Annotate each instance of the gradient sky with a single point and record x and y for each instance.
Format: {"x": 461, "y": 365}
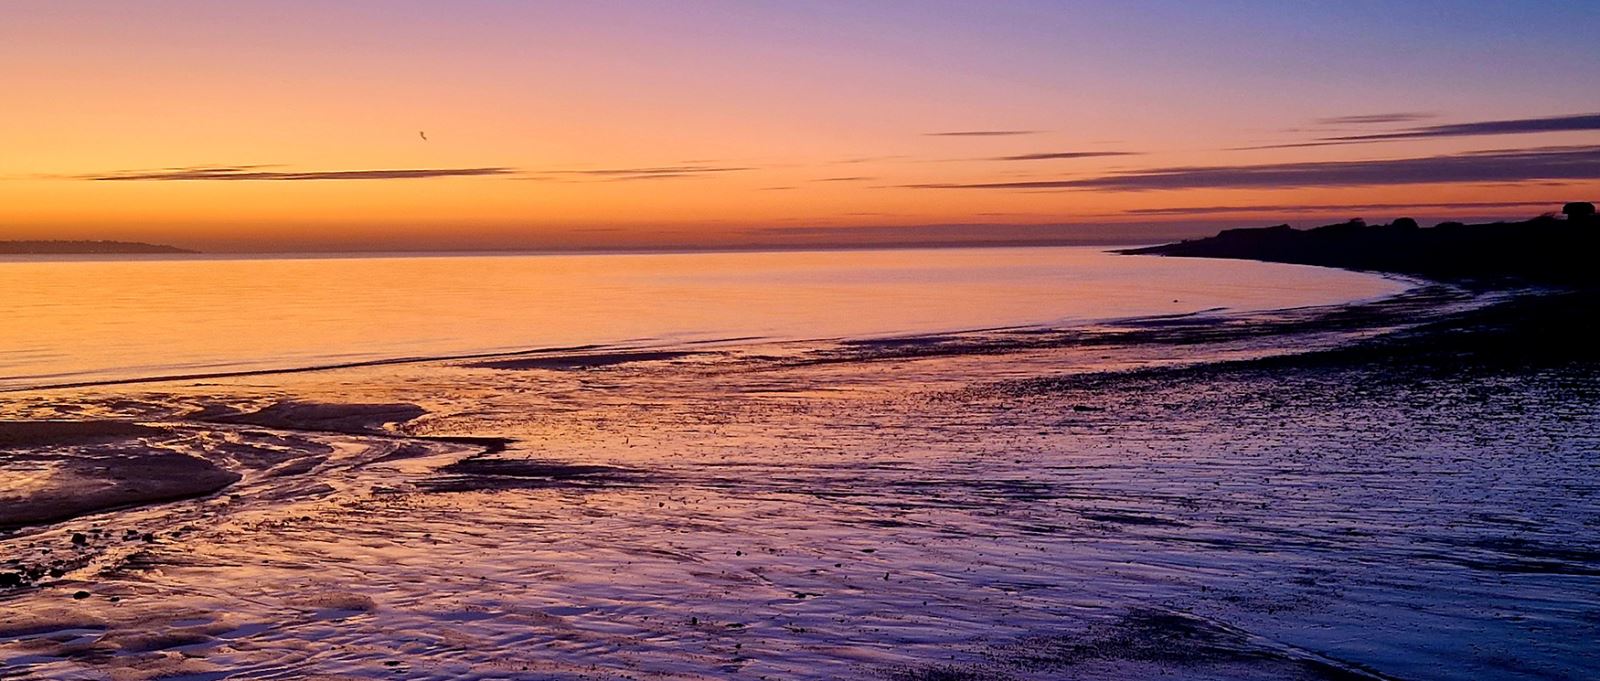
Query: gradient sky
{"x": 281, "y": 124}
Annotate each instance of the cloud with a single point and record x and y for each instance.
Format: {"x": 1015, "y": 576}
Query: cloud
{"x": 868, "y": 159}
{"x": 1313, "y": 208}
{"x": 272, "y": 173}
{"x": 1513, "y": 126}
{"x": 1378, "y": 119}
{"x": 1051, "y": 155}
{"x": 641, "y": 173}
{"x": 853, "y": 178}
{"x": 238, "y": 173}
{"x": 983, "y": 133}
{"x": 1508, "y": 165}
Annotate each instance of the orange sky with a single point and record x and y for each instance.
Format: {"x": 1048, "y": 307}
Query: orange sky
{"x": 259, "y": 125}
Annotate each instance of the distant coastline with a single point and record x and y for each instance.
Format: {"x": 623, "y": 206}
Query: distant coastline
{"x": 1547, "y": 250}
{"x": 85, "y": 248}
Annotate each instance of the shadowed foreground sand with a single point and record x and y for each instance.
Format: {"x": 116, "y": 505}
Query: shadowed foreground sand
{"x": 62, "y": 469}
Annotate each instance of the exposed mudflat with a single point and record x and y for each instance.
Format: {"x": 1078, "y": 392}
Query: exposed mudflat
{"x": 1347, "y": 493}
{"x": 581, "y": 361}
{"x": 56, "y": 470}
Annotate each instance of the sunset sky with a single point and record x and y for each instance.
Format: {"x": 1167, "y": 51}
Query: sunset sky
{"x": 294, "y": 125}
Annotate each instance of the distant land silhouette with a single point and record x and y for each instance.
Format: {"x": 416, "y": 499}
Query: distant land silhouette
{"x": 1548, "y": 249}
{"x": 83, "y": 247}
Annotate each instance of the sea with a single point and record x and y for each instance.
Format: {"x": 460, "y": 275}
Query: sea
{"x": 893, "y": 465}
{"x": 80, "y": 320}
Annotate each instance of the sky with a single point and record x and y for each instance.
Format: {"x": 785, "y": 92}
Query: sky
{"x": 289, "y": 125}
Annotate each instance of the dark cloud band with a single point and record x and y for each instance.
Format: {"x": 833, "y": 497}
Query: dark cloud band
{"x": 1580, "y": 122}
{"x": 1515, "y": 126}
{"x": 1514, "y": 165}
{"x": 1293, "y": 208}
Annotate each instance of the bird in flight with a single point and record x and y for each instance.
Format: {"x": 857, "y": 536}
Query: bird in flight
{"x": 423, "y": 135}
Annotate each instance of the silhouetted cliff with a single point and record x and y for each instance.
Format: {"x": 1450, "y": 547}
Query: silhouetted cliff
{"x": 1545, "y": 250}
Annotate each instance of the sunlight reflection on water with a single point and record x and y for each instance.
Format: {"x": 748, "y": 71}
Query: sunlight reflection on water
{"x": 69, "y": 321}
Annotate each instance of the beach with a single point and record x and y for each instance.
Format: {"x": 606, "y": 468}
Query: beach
{"x": 1394, "y": 488}
{"x": 884, "y": 341}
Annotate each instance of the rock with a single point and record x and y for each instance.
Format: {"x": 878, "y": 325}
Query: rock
{"x": 80, "y": 539}
{"x": 80, "y": 595}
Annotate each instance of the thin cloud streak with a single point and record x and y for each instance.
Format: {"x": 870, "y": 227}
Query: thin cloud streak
{"x": 1378, "y": 119}
{"x": 643, "y": 173}
{"x": 1511, "y": 165}
{"x": 983, "y": 133}
{"x": 1053, "y": 155}
{"x": 253, "y": 173}
{"x": 869, "y": 159}
{"x": 1290, "y": 145}
{"x": 261, "y": 173}
{"x": 1579, "y": 122}
{"x": 1514, "y": 126}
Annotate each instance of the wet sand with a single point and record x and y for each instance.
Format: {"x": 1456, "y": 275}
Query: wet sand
{"x": 583, "y": 361}
{"x": 1398, "y": 490}
{"x": 57, "y": 470}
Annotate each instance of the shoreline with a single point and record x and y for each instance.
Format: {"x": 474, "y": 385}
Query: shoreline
{"x": 1540, "y": 251}
{"x": 1243, "y": 483}
{"x": 1272, "y": 330}
{"x": 594, "y": 355}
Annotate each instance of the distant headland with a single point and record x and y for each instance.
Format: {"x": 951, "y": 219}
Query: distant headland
{"x": 84, "y": 248}
{"x": 1549, "y": 249}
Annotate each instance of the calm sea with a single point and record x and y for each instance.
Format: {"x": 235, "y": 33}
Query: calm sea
{"x": 65, "y": 321}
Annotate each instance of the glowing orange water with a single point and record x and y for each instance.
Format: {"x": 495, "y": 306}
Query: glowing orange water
{"x": 79, "y": 320}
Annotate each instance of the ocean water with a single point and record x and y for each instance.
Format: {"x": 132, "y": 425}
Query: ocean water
{"x": 69, "y": 321}
{"x": 1096, "y": 489}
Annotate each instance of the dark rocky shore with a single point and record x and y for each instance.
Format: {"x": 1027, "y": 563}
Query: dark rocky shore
{"x": 1547, "y": 261}
{"x": 1547, "y": 250}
